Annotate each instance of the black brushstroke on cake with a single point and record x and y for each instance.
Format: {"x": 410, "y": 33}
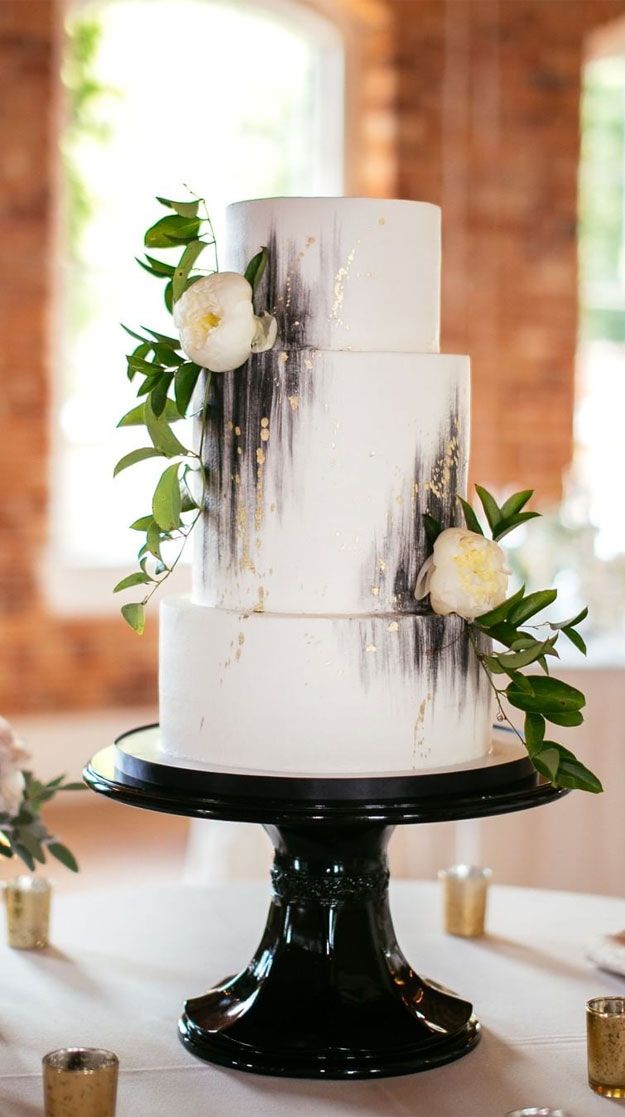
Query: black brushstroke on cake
{"x": 260, "y": 389}
{"x": 404, "y": 546}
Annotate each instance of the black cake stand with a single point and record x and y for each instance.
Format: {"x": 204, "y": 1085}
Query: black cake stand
{"x": 328, "y": 993}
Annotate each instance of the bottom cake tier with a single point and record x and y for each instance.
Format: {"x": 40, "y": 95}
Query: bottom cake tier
{"x": 319, "y": 695}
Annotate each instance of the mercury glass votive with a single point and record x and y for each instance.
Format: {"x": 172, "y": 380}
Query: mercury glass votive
{"x": 28, "y": 912}
{"x": 465, "y": 890}
{"x": 605, "y": 1033}
{"x": 80, "y": 1082}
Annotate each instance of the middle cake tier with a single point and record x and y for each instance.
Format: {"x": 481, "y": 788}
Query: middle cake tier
{"x": 320, "y": 467}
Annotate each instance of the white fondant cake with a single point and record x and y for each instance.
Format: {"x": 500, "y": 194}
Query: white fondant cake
{"x": 303, "y": 649}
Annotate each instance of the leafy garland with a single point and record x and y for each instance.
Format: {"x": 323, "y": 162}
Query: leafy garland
{"x": 541, "y": 698}
{"x": 168, "y": 394}
{"x": 25, "y": 835}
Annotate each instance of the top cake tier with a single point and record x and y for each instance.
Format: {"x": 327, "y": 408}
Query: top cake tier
{"x": 348, "y": 273}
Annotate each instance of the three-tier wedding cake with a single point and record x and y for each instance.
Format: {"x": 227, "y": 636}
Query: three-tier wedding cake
{"x": 302, "y": 649}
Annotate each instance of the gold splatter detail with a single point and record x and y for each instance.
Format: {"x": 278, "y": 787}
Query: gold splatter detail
{"x": 339, "y": 287}
{"x": 230, "y": 425}
{"x": 440, "y": 481}
{"x": 237, "y": 431}
{"x": 382, "y": 565}
{"x": 307, "y": 362}
{"x": 272, "y": 506}
{"x": 241, "y": 638}
{"x": 419, "y": 736}
{"x": 260, "y": 456}
{"x": 375, "y": 590}
{"x": 309, "y": 241}
{"x": 264, "y": 434}
{"x": 264, "y": 422}
{"x": 239, "y": 450}
{"x": 294, "y": 402}
{"x": 393, "y": 627}
{"x": 283, "y": 358}
{"x": 260, "y": 604}
{"x": 381, "y": 221}
{"x": 371, "y": 648}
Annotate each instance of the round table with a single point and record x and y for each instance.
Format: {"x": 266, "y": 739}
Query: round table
{"x": 122, "y": 964}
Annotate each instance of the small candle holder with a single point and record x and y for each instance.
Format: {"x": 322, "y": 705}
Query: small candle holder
{"x": 605, "y": 1031}
{"x": 465, "y": 891}
{"x": 80, "y": 1082}
{"x": 28, "y": 912}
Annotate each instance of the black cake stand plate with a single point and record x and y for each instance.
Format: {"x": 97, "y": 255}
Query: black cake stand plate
{"x": 329, "y": 993}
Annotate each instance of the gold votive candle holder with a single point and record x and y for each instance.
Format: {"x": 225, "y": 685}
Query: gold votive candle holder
{"x": 605, "y": 1033}
{"x": 28, "y": 912}
{"x": 465, "y": 891}
{"x": 80, "y": 1082}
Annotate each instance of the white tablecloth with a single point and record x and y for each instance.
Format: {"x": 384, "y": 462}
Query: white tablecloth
{"x": 122, "y": 965}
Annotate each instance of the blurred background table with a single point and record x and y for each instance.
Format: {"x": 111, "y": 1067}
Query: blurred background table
{"x": 124, "y": 961}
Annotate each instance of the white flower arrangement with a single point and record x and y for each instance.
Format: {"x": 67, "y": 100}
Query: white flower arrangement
{"x": 22, "y": 832}
{"x": 466, "y": 574}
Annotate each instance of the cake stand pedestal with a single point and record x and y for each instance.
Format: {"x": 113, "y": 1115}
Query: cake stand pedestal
{"x": 329, "y": 993}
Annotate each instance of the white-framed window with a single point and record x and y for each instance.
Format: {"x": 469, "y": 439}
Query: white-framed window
{"x": 233, "y": 99}
{"x": 599, "y": 465}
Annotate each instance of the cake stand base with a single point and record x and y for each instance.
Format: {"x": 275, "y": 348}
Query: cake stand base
{"x": 329, "y": 993}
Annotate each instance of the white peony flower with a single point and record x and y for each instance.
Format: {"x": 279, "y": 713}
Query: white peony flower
{"x": 12, "y": 756}
{"x": 466, "y": 574}
{"x": 217, "y": 325}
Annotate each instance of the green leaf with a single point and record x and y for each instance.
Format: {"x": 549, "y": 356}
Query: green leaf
{"x": 256, "y": 268}
{"x": 166, "y": 356}
{"x": 187, "y": 260}
{"x": 157, "y": 267}
{"x": 137, "y": 417}
{"x": 132, "y": 333}
{"x": 567, "y": 717}
{"x": 432, "y": 528}
{"x": 139, "y": 364}
{"x": 516, "y": 660}
{"x": 574, "y": 774}
{"x": 171, "y": 342}
{"x": 185, "y": 379}
{"x": 73, "y": 787}
{"x": 5, "y": 851}
{"x": 23, "y": 853}
{"x": 158, "y": 394}
{"x": 136, "y": 579}
{"x": 571, "y": 620}
{"x": 534, "y": 732}
{"x": 470, "y": 518}
{"x": 135, "y": 456}
{"x": 63, "y": 854}
{"x": 142, "y": 524}
{"x": 172, "y": 231}
{"x": 185, "y": 209}
{"x": 163, "y": 438}
{"x": 500, "y": 612}
{"x": 550, "y": 696}
{"x": 521, "y": 681}
{"x": 166, "y": 502}
{"x": 168, "y": 295}
{"x": 531, "y": 605}
{"x": 490, "y": 506}
{"x": 547, "y": 761}
{"x": 506, "y": 527}
{"x": 576, "y": 639}
{"x": 515, "y": 503}
{"x": 154, "y": 537}
{"x": 134, "y": 615}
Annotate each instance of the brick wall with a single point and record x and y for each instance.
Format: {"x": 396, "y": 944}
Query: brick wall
{"x": 470, "y": 103}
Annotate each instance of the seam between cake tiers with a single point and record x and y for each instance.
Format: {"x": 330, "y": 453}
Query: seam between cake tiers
{"x": 308, "y": 616}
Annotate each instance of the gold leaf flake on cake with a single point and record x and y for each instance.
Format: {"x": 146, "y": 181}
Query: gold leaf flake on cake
{"x": 381, "y": 221}
{"x": 260, "y": 604}
{"x": 230, "y": 425}
{"x": 382, "y": 565}
{"x": 264, "y": 434}
{"x": 375, "y": 590}
{"x": 283, "y": 358}
{"x": 309, "y": 241}
{"x": 294, "y": 402}
{"x": 339, "y": 287}
{"x": 393, "y": 627}
{"x": 419, "y": 728}
{"x": 237, "y": 431}
{"x": 443, "y": 470}
{"x": 260, "y": 456}
{"x": 307, "y": 362}
{"x": 371, "y": 648}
